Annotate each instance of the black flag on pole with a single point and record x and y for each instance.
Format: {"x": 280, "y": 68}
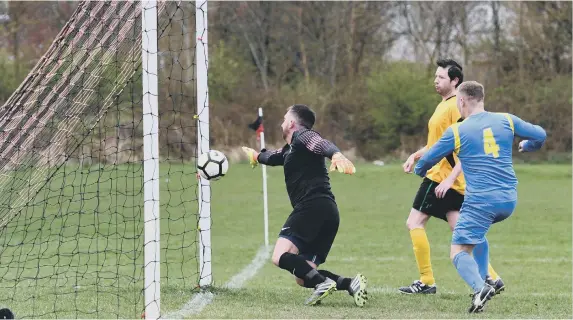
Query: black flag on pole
{"x": 257, "y": 126}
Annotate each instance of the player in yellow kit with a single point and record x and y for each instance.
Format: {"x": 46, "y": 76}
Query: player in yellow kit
{"x": 441, "y": 193}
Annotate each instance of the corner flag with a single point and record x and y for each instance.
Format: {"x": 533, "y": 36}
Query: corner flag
{"x": 258, "y": 126}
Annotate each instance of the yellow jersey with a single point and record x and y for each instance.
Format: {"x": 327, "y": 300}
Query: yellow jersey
{"x": 445, "y": 115}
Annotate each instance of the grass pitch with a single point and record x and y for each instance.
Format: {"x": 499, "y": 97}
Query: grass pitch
{"x": 76, "y": 251}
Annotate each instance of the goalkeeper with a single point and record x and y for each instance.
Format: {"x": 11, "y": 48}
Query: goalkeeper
{"x": 308, "y": 233}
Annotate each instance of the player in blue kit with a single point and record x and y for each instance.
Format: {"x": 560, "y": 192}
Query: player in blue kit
{"x": 483, "y": 143}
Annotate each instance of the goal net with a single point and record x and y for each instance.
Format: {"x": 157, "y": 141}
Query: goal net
{"x": 101, "y": 212}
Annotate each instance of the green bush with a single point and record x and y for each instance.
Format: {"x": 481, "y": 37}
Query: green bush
{"x": 402, "y": 99}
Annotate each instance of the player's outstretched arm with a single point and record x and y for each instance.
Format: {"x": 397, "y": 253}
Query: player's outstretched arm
{"x": 342, "y": 164}
{"x": 316, "y": 144}
{"x": 266, "y": 157}
{"x": 252, "y": 155}
{"x": 533, "y": 134}
{"x": 272, "y": 157}
{"x": 418, "y": 154}
{"x": 437, "y": 152}
{"x": 409, "y": 164}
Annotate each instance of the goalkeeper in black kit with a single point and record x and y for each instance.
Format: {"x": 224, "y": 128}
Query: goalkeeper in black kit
{"x": 307, "y": 236}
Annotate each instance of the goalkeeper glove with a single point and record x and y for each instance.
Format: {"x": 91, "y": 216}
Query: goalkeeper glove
{"x": 252, "y": 155}
{"x": 340, "y": 163}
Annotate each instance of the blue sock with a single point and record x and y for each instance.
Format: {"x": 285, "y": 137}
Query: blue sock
{"x": 481, "y": 256}
{"x": 468, "y": 270}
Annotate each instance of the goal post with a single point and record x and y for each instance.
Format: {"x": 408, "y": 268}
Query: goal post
{"x": 149, "y": 62}
{"x": 204, "y": 192}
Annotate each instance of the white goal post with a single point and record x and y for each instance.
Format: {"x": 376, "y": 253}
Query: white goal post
{"x": 150, "y": 71}
{"x": 152, "y": 248}
{"x": 204, "y": 192}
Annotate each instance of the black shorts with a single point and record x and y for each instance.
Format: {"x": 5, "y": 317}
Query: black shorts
{"x": 312, "y": 227}
{"x": 427, "y": 202}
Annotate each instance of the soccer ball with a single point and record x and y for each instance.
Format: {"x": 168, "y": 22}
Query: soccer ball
{"x": 212, "y": 165}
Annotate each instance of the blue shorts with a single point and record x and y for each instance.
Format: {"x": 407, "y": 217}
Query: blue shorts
{"x": 476, "y": 218}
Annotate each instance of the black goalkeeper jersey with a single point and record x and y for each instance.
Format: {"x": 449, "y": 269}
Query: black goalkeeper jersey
{"x": 306, "y": 175}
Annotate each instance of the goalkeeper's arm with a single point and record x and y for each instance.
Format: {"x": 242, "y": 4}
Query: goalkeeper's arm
{"x": 267, "y": 157}
{"x": 316, "y": 144}
{"x": 271, "y": 157}
{"x": 313, "y": 142}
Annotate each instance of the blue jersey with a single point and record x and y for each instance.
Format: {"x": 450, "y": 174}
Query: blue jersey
{"x": 483, "y": 143}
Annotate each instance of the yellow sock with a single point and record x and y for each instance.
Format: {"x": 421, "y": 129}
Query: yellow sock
{"x": 492, "y": 272}
{"x": 422, "y": 253}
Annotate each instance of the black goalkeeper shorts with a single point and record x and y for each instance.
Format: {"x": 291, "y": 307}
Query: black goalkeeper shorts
{"x": 427, "y": 202}
{"x": 312, "y": 227}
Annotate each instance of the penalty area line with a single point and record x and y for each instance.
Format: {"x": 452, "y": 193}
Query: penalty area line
{"x": 202, "y": 299}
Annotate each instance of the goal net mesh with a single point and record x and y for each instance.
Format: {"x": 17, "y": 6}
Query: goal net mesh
{"x": 71, "y": 172}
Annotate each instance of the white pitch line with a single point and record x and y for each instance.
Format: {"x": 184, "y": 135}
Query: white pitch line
{"x": 203, "y": 299}
{"x": 238, "y": 280}
{"x": 195, "y": 305}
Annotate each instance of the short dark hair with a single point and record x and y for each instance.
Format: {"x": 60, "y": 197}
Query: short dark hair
{"x": 304, "y": 115}
{"x": 454, "y": 69}
{"x": 473, "y": 90}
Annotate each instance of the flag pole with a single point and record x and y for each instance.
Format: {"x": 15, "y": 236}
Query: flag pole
{"x": 265, "y": 198}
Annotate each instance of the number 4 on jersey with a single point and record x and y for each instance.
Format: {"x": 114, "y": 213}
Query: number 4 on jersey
{"x": 489, "y": 144}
